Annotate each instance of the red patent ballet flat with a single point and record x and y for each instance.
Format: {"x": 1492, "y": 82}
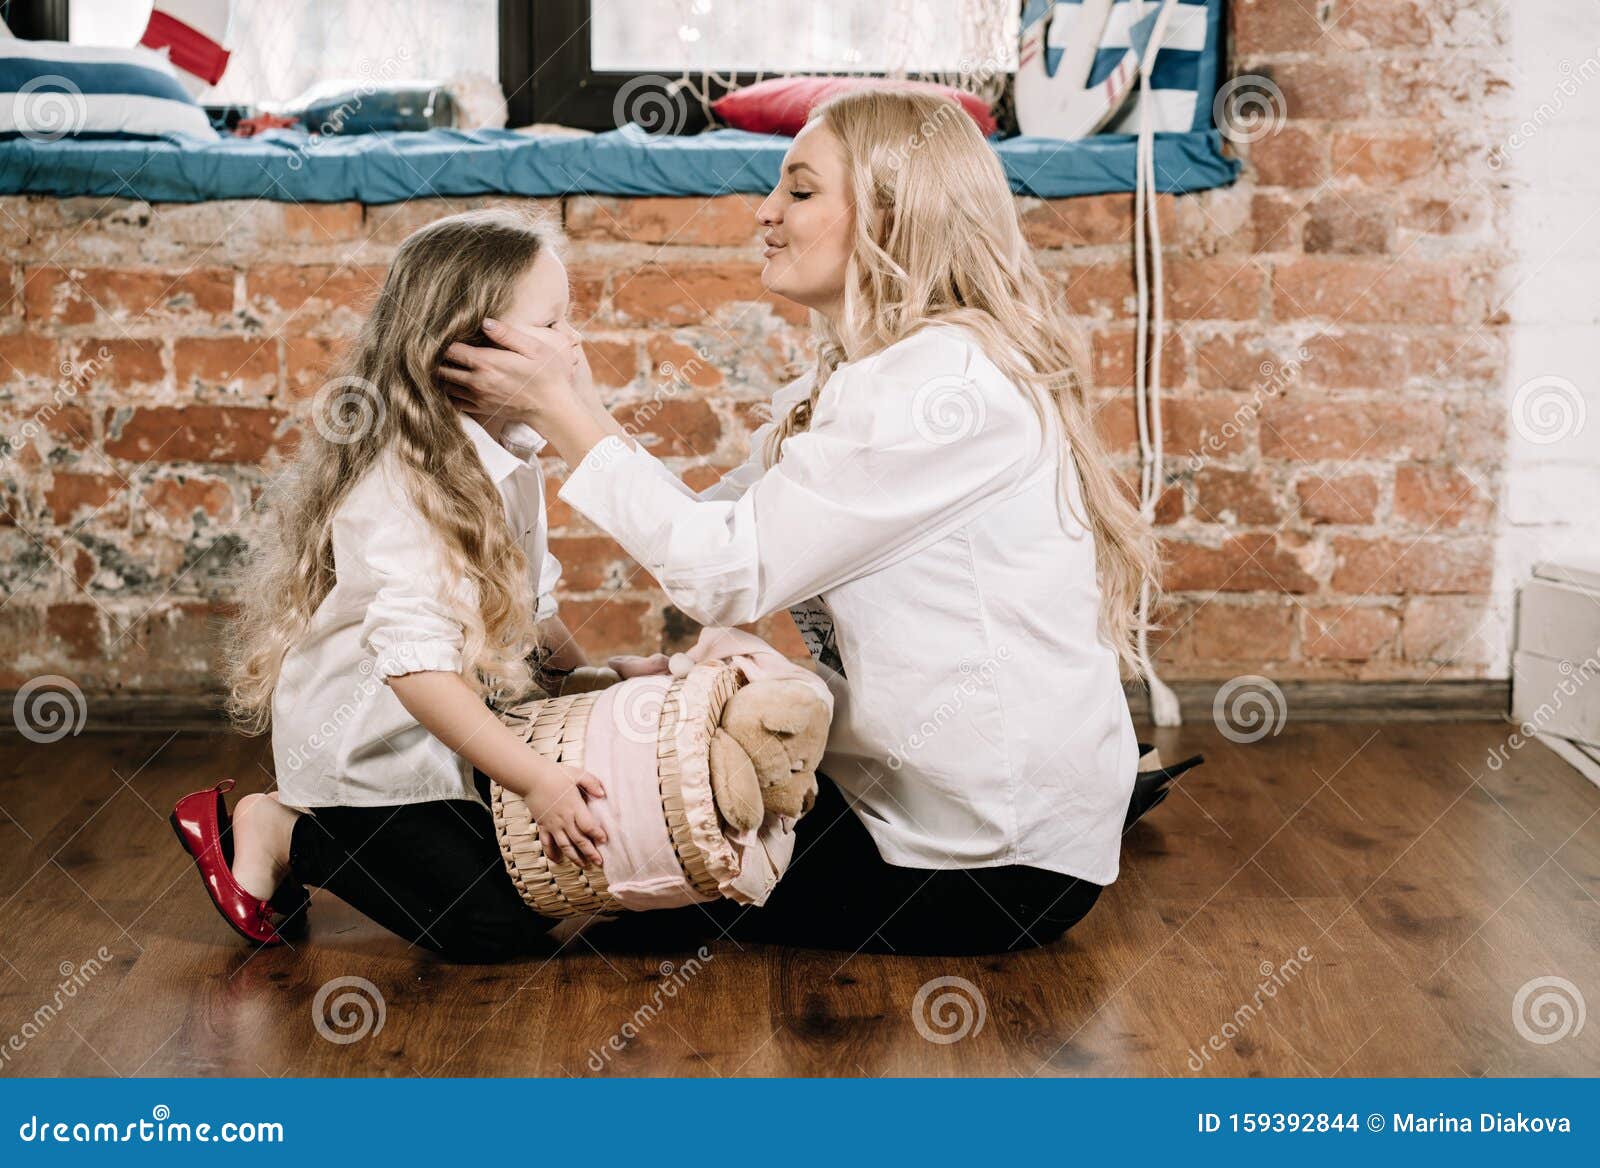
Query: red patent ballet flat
{"x": 203, "y": 828}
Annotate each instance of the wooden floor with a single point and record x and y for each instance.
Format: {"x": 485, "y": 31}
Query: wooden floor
{"x": 1422, "y": 890}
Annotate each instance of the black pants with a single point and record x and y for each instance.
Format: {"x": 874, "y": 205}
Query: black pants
{"x": 839, "y": 893}
{"x": 432, "y": 873}
{"x": 428, "y": 872}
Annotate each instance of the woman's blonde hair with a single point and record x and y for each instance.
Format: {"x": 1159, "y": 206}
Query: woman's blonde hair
{"x": 383, "y": 397}
{"x": 937, "y": 240}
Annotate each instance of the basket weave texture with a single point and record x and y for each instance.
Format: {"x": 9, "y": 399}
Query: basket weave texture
{"x": 556, "y": 727}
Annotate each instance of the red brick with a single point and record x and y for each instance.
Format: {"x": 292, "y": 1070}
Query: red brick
{"x": 1205, "y": 427}
{"x": 1113, "y": 352}
{"x": 613, "y": 363}
{"x": 72, "y": 497}
{"x": 1440, "y": 497}
{"x": 81, "y": 296}
{"x": 1431, "y": 564}
{"x": 76, "y": 628}
{"x": 671, "y": 427}
{"x": 1385, "y": 24}
{"x": 72, "y": 425}
{"x": 1301, "y": 429}
{"x": 1348, "y": 633}
{"x": 1335, "y": 91}
{"x": 177, "y": 500}
{"x": 587, "y": 286}
{"x": 1241, "y": 563}
{"x": 1275, "y": 222}
{"x": 196, "y": 433}
{"x": 1368, "y": 291}
{"x": 1235, "y": 496}
{"x": 1274, "y": 26}
{"x": 1235, "y": 632}
{"x": 239, "y": 364}
{"x": 728, "y": 220}
{"x": 308, "y": 362}
{"x": 684, "y": 293}
{"x": 1099, "y": 290}
{"x": 590, "y": 563}
{"x": 1243, "y": 361}
{"x": 1292, "y": 157}
{"x": 1343, "y": 499}
{"x": 1338, "y": 224}
{"x": 1447, "y": 630}
{"x": 28, "y": 354}
{"x": 1213, "y": 289}
{"x": 609, "y": 625}
{"x": 309, "y": 292}
{"x": 673, "y": 362}
{"x": 322, "y": 222}
{"x": 1075, "y": 222}
{"x": 1383, "y": 159}
{"x": 1350, "y": 360}
{"x": 119, "y": 362}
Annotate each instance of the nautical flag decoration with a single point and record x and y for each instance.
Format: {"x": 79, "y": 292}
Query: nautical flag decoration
{"x": 1078, "y": 67}
{"x": 191, "y": 33}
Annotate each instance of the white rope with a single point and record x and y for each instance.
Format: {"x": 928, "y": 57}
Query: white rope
{"x": 1164, "y": 707}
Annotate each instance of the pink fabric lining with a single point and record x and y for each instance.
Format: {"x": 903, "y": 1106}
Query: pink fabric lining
{"x": 641, "y": 865}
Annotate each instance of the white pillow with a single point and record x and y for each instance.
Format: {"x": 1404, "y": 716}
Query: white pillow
{"x": 51, "y": 90}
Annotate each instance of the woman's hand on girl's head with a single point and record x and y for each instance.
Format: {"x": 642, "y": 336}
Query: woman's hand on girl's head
{"x": 530, "y": 376}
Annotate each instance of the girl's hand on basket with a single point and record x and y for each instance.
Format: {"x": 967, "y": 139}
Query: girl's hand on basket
{"x": 567, "y": 829}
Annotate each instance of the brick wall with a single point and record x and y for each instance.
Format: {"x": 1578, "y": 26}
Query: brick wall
{"x": 1334, "y": 426}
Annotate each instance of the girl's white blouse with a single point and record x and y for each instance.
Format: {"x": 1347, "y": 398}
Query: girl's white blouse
{"x": 950, "y": 600}
{"x": 340, "y": 737}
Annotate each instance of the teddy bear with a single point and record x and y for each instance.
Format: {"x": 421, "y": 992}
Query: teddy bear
{"x": 765, "y": 752}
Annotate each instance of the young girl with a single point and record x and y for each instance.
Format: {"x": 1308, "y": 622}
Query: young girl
{"x": 407, "y": 580}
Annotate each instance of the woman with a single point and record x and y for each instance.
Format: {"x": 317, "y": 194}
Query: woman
{"x": 933, "y": 507}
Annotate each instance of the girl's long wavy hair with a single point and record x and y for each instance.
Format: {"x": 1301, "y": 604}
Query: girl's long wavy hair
{"x": 937, "y": 240}
{"x": 383, "y": 397}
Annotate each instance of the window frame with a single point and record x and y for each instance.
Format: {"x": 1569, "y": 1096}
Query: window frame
{"x": 546, "y": 75}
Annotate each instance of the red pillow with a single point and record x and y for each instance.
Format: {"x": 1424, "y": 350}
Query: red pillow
{"x": 780, "y": 106}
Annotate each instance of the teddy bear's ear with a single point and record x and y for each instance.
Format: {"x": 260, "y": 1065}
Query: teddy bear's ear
{"x": 734, "y": 783}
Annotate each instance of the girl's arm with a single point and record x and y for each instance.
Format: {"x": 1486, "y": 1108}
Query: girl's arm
{"x": 444, "y": 704}
{"x": 565, "y": 652}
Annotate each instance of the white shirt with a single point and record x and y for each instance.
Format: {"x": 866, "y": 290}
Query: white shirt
{"x": 950, "y": 601}
{"x": 340, "y": 737}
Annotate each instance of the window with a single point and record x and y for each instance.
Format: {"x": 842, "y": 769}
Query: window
{"x": 281, "y": 48}
{"x": 567, "y": 61}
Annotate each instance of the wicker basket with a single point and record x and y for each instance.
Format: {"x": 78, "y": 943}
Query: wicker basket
{"x": 556, "y": 727}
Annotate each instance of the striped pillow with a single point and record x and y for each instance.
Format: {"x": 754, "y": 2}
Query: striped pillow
{"x": 51, "y": 90}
